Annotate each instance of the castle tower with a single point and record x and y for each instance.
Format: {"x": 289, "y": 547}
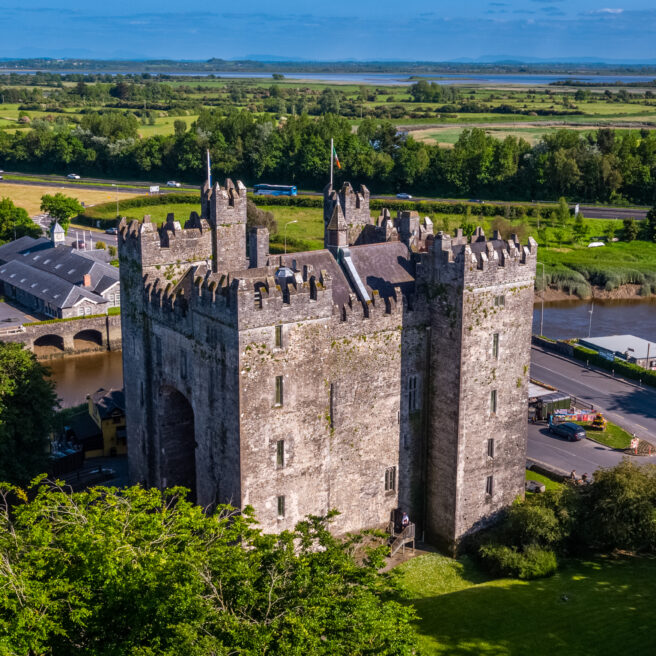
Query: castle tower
{"x": 480, "y": 297}
{"x": 336, "y": 230}
{"x": 227, "y": 216}
{"x": 354, "y": 207}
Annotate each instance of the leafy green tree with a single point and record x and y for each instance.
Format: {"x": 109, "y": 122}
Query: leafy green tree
{"x": 179, "y": 127}
{"x": 61, "y": 208}
{"x": 609, "y": 231}
{"x": 563, "y": 215}
{"x": 651, "y": 224}
{"x": 630, "y": 229}
{"x": 27, "y": 409}
{"x": 15, "y": 222}
{"x": 581, "y": 229}
{"x": 139, "y": 571}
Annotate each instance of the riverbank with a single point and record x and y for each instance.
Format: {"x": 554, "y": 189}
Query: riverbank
{"x": 628, "y": 292}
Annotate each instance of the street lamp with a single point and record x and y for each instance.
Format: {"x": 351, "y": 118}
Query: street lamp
{"x": 590, "y": 311}
{"x": 285, "y": 232}
{"x": 542, "y": 298}
{"x": 115, "y": 185}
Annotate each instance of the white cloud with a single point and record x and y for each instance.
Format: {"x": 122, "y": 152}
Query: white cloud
{"x": 607, "y": 11}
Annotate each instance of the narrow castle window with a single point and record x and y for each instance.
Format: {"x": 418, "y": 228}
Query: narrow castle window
{"x": 158, "y": 351}
{"x": 281, "y": 507}
{"x": 500, "y": 301}
{"x": 332, "y": 405}
{"x": 413, "y": 397}
{"x": 489, "y": 485}
{"x": 279, "y": 390}
{"x": 493, "y": 401}
{"x": 280, "y": 454}
{"x": 495, "y": 345}
{"x": 390, "y": 479}
{"x": 183, "y": 365}
{"x": 279, "y": 336}
{"x": 490, "y": 448}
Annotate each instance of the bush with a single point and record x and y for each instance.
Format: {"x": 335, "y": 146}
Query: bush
{"x": 112, "y": 251}
{"x": 101, "y": 245}
{"x": 532, "y": 563}
{"x": 257, "y": 217}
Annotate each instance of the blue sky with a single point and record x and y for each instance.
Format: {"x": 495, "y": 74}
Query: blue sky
{"x": 357, "y": 29}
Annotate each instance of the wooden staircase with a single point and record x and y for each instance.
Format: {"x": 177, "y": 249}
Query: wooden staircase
{"x": 399, "y": 541}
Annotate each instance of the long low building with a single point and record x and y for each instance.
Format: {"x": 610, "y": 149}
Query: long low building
{"x": 57, "y": 280}
{"x": 628, "y": 347}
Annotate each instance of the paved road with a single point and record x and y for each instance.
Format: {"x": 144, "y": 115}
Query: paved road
{"x": 612, "y": 213}
{"x": 624, "y": 403}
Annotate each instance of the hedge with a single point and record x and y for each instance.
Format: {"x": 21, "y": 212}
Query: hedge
{"x": 626, "y": 369}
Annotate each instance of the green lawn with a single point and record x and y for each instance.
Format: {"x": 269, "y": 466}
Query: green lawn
{"x": 539, "y": 478}
{"x": 598, "y": 607}
{"x": 614, "y": 436}
{"x": 157, "y": 212}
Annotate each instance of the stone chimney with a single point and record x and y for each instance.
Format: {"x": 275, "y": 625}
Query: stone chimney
{"x": 87, "y": 280}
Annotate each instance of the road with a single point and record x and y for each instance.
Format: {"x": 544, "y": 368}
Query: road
{"x": 625, "y": 403}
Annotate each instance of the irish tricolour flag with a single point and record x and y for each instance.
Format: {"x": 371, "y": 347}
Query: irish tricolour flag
{"x": 339, "y": 166}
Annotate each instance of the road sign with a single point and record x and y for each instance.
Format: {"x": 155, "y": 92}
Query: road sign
{"x": 154, "y": 189}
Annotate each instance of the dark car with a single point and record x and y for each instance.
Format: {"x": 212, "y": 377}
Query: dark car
{"x": 111, "y": 231}
{"x": 571, "y": 431}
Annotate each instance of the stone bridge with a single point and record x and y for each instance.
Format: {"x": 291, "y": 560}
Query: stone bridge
{"x": 68, "y": 337}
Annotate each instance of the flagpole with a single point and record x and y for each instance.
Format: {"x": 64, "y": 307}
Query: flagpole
{"x": 332, "y": 150}
{"x": 209, "y": 170}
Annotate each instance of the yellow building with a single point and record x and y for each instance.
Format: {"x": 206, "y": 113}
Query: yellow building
{"x": 107, "y": 409}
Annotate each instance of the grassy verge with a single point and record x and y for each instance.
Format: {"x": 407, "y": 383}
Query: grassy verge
{"x": 602, "y": 606}
{"x": 540, "y": 478}
{"x": 614, "y": 436}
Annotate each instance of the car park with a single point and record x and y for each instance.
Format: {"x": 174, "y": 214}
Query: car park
{"x": 73, "y": 176}
{"x": 172, "y": 183}
{"x": 404, "y": 196}
{"x": 569, "y": 430}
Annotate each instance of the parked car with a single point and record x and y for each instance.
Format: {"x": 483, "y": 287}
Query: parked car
{"x": 80, "y": 245}
{"x": 111, "y": 231}
{"x": 404, "y": 196}
{"x": 172, "y": 183}
{"x": 73, "y": 176}
{"x": 0, "y": 177}
{"x": 569, "y": 430}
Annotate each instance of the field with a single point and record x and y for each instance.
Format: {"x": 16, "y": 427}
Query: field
{"x": 29, "y": 196}
{"x": 601, "y": 607}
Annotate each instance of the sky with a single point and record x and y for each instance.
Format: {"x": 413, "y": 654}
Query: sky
{"x": 426, "y": 30}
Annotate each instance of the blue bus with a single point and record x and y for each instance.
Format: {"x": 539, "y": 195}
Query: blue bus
{"x": 274, "y": 190}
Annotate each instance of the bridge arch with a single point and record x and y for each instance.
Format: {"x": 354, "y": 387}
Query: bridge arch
{"x": 88, "y": 339}
{"x": 47, "y": 345}
{"x": 177, "y": 440}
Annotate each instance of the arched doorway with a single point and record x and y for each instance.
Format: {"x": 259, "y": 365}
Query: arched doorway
{"x": 48, "y": 345}
{"x": 87, "y": 340}
{"x": 177, "y": 441}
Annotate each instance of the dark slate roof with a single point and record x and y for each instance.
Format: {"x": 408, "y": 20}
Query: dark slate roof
{"x": 84, "y": 427}
{"x": 69, "y": 264}
{"x": 22, "y": 245}
{"x": 56, "y": 291}
{"x": 321, "y": 260}
{"x": 109, "y": 402}
{"x": 384, "y": 266}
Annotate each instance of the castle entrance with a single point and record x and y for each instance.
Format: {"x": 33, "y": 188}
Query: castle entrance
{"x": 177, "y": 441}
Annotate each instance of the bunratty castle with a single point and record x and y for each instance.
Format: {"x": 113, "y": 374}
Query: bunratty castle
{"x": 388, "y": 370}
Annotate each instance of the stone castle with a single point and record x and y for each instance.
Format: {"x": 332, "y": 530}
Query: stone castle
{"x": 388, "y": 370}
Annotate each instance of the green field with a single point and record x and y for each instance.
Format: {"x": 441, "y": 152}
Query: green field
{"x": 614, "y": 436}
{"x": 600, "y": 607}
{"x": 539, "y": 478}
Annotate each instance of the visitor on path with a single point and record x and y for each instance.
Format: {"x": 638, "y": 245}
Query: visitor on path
{"x": 405, "y": 520}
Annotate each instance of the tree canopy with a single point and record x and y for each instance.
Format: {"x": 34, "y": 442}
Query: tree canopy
{"x": 145, "y": 572}
{"x": 15, "y": 222}
{"x": 61, "y": 208}
{"x": 27, "y": 408}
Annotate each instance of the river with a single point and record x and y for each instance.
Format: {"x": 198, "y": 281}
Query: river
{"x": 84, "y": 374}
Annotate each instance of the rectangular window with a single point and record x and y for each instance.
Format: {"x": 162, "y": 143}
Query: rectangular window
{"x": 117, "y": 299}
{"x": 80, "y": 312}
{"x": 489, "y": 485}
{"x": 278, "y": 390}
{"x": 280, "y": 454}
{"x": 493, "y": 401}
{"x": 490, "y": 448}
{"x": 281, "y": 507}
{"x": 495, "y": 345}
{"x": 500, "y": 301}
{"x": 183, "y": 366}
{"x": 332, "y": 405}
{"x": 390, "y": 479}
{"x": 413, "y": 398}
{"x": 158, "y": 350}
{"x": 279, "y": 336}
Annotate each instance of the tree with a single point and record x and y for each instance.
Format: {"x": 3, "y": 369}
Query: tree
{"x": 651, "y": 224}
{"x": 138, "y": 571}
{"x": 581, "y": 228}
{"x": 562, "y": 213}
{"x": 27, "y": 409}
{"x": 179, "y": 127}
{"x": 61, "y": 208}
{"x": 630, "y": 229}
{"x": 15, "y": 222}
{"x": 609, "y": 231}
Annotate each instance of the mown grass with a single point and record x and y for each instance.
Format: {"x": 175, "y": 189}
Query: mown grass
{"x": 602, "y": 607}
{"x": 614, "y": 436}
{"x": 540, "y": 478}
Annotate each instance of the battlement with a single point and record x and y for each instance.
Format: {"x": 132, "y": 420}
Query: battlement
{"x": 226, "y": 205}
{"x": 354, "y": 204}
{"x": 149, "y": 245}
{"x": 477, "y": 259}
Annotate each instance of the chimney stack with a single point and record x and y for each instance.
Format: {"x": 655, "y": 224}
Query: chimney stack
{"x": 87, "y": 280}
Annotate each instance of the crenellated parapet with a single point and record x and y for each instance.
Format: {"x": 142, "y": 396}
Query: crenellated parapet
{"x": 354, "y": 206}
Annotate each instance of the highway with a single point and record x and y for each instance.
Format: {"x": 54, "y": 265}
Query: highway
{"x": 625, "y": 403}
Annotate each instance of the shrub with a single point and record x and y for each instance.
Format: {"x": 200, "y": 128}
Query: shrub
{"x": 532, "y": 563}
{"x": 112, "y": 251}
{"x": 101, "y": 245}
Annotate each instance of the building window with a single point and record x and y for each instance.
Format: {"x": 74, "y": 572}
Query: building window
{"x": 490, "y": 448}
{"x": 489, "y": 485}
{"x": 279, "y": 336}
{"x": 332, "y": 405}
{"x": 183, "y": 366}
{"x": 279, "y": 390}
{"x": 390, "y": 479}
{"x": 281, "y": 507}
{"x": 495, "y": 345}
{"x": 280, "y": 454}
{"x": 493, "y": 401}
{"x": 500, "y": 301}
{"x": 413, "y": 397}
